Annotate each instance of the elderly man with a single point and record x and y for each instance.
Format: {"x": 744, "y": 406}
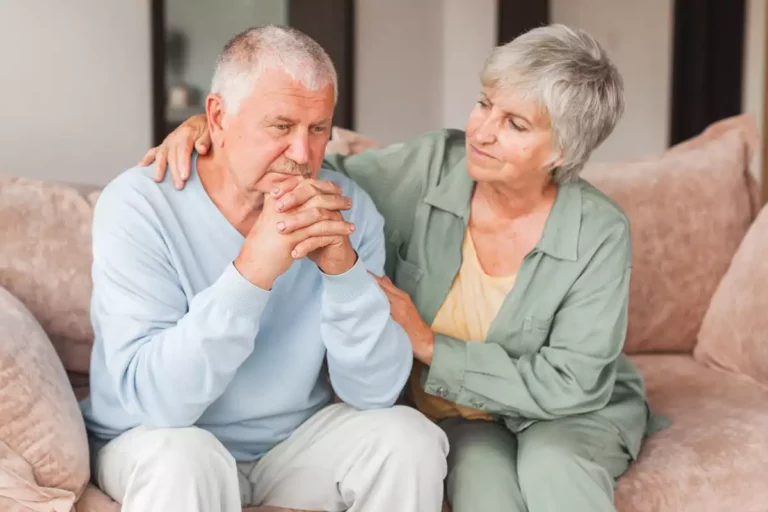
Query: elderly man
{"x": 226, "y": 318}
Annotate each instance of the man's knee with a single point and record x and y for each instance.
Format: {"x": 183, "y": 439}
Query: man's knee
{"x": 186, "y": 453}
{"x": 409, "y": 436}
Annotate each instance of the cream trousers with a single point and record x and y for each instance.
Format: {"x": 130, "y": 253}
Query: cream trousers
{"x": 341, "y": 459}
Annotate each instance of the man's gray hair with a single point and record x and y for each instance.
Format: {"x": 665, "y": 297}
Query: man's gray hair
{"x": 251, "y": 52}
{"x": 569, "y": 75}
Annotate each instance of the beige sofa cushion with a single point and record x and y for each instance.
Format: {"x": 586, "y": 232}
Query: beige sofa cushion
{"x": 689, "y": 208}
{"x": 45, "y": 261}
{"x": 713, "y": 457}
{"x": 734, "y": 334}
{"x": 43, "y": 445}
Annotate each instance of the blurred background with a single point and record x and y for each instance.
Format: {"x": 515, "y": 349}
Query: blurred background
{"x": 89, "y": 85}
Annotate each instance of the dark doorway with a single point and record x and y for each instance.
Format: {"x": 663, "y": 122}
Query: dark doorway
{"x": 708, "y": 64}
{"x": 518, "y": 16}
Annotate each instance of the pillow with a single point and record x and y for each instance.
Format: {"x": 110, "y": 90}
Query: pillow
{"x": 45, "y": 261}
{"x": 734, "y": 333}
{"x": 43, "y": 444}
{"x": 689, "y": 209}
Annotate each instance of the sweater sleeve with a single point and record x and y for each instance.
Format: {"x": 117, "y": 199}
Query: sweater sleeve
{"x": 369, "y": 354}
{"x": 168, "y": 357}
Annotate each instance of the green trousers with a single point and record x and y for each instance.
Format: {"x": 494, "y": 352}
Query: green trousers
{"x": 564, "y": 465}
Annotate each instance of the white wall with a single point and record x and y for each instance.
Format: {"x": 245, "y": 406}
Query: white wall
{"x": 418, "y": 64}
{"x": 469, "y": 35}
{"x": 398, "y": 61}
{"x": 754, "y": 71}
{"x": 75, "y": 85}
{"x": 638, "y": 37}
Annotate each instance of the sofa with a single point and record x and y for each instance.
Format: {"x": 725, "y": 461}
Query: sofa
{"x": 698, "y": 329}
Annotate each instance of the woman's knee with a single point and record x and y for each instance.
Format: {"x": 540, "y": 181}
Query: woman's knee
{"x": 482, "y": 468}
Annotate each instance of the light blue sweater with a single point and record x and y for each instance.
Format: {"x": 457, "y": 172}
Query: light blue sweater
{"x": 181, "y": 338}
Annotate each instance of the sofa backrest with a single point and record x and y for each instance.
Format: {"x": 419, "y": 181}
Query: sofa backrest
{"x": 689, "y": 209}
{"x": 45, "y": 260}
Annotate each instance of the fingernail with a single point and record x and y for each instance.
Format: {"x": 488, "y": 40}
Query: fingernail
{"x": 295, "y": 253}
{"x": 280, "y": 206}
{"x": 184, "y": 174}
{"x": 275, "y": 191}
{"x": 281, "y": 226}
{"x": 352, "y": 227}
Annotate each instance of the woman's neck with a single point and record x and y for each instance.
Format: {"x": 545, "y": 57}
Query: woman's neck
{"x": 500, "y": 202}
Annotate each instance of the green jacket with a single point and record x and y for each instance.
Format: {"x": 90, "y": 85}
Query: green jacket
{"x": 555, "y": 347}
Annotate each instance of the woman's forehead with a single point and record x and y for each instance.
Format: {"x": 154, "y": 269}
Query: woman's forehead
{"x": 516, "y": 102}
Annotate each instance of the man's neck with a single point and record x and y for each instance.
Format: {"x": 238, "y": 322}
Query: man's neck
{"x": 239, "y": 209}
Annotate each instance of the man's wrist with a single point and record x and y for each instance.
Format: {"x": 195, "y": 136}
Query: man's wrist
{"x": 335, "y": 267}
{"x": 255, "y": 276}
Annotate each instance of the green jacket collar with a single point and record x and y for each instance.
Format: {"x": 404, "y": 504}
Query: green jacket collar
{"x": 560, "y": 240}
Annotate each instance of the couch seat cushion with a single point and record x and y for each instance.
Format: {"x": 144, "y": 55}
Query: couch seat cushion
{"x": 713, "y": 457}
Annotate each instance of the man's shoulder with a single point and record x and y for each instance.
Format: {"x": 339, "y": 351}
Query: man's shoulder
{"x": 131, "y": 197}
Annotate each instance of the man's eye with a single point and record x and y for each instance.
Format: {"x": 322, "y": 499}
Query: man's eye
{"x": 282, "y": 127}
{"x": 319, "y": 129}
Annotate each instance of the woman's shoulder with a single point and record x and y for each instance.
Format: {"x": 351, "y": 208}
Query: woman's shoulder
{"x": 604, "y": 223}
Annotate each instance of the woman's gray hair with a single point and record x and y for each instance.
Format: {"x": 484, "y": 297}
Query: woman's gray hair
{"x": 251, "y": 52}
{"x": 569, "y": 75}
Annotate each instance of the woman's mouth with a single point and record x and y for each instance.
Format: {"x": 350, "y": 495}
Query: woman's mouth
{"x": 478, "y": 152}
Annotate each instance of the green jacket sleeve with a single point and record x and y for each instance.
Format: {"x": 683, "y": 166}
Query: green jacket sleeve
{"x": 571, "y": 374}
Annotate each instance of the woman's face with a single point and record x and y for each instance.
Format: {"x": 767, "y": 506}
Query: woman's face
{"x": 509, "y": 140}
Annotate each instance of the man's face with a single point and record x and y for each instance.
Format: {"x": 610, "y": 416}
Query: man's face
{"x": 280, "y": 130}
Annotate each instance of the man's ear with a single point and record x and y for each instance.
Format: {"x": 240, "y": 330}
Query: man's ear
{"x": 215, "y": 110}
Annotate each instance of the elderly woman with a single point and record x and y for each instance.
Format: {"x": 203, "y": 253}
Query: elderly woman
{"x": 511, "y": 274}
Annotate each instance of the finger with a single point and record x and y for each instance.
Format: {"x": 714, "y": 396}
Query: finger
{"x": 203, "y": 143}
{"x": 172, "y": 154}
{"x": 183, "y": 156}
{"x": 301, "y": 219}
{"x": 305, "y": 247}
{"x": 148, "y": 158}
{"x": 305, "y": 191}
{"x": 324, "y": 228}
{"x": 325, "y": 186}
{"x": 161, "y": 162}
{"x": 327, "y": 202}
{"x": 286, "y": 186}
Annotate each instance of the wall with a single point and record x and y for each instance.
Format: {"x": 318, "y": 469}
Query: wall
{"x": 469, "y": 35}
{"x": 75, "y": 86}
{"x": 398, "y": 68}
{"x": 638, "y": 38}
{"x": 424, "y": 73}
{"x": 754, "y": 71}
{"x": 208, "y": 26}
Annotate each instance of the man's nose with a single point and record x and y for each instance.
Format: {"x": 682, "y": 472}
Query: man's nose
{"x": 298, "y": 151}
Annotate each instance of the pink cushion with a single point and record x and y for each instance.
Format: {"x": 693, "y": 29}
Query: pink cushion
{"x": 734, "y": 334}
{"x": 41, "y": 427}
{"x": 713, "y": 456}
{"x": 689, "y": 208}
{"x": 45, "y": 261}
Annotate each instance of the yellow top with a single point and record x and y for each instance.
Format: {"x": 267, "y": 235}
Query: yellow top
{"x": 466, "y": 314}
